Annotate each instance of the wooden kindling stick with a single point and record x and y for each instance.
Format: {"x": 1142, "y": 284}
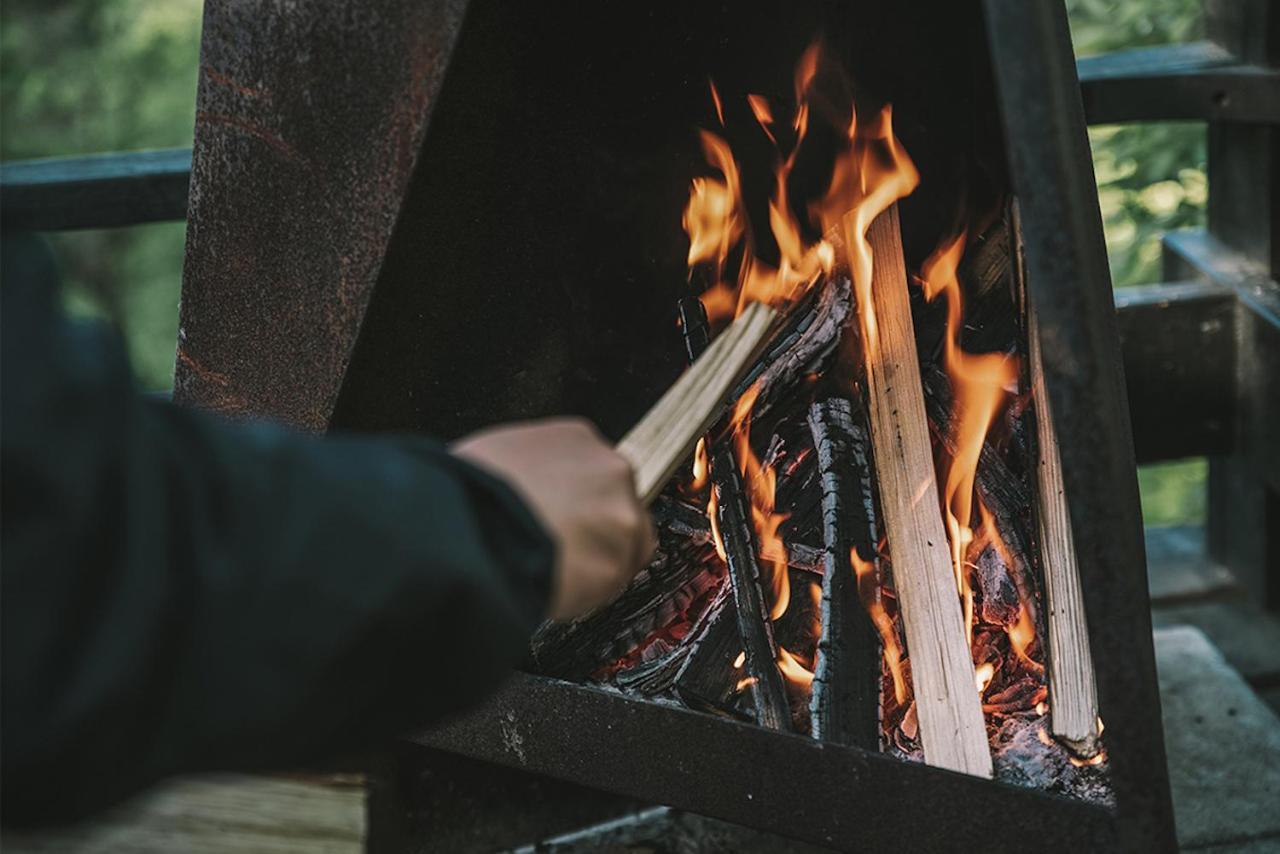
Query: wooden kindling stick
{"x": 1073, "y": 691}
{"x": 952, "y": 732}
{"x": 668, "y": 432}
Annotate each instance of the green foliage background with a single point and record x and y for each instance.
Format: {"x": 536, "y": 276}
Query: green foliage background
{"x": 83, "y": 76}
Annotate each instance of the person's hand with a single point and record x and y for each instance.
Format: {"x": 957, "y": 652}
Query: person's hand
{"x": 584, "y": 494}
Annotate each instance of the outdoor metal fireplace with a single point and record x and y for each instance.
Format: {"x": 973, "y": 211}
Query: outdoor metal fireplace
{"x": 448, "y": 214}
{"x": 484, "y": 227}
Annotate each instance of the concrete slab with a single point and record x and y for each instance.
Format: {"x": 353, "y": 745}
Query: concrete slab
{"x": 1223, "y": 744}
{"x": 1178, "y": 568}
{"x": 1247, "y": 636}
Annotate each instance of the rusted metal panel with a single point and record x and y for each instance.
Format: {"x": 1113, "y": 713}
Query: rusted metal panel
{"x": 1068, "y": 278}
{"x": 309, "y": 118}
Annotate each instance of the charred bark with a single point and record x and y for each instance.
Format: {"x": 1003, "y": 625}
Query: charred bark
{"x": 845, "y": 703}
{"x": 804, "y": 347}
{"x": 707, "y": 678}
{"x": 768, "y": 694}
{"x": 680, "y": 571}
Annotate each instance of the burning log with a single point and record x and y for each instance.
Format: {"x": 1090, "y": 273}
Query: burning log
{"x": 707, "y": 678}
{"x": 952, "y": 732}
{"x": 691, "y": 523}
{"x": 768, "y": 693}
{"x": 801, "y": 349}
{"x": 668, "y": 432}
{"x": 681, "y": 571}
{"x": 1073, "y": 692}
{"x": 755, "y": 630}
{"x": 845, "y": 704}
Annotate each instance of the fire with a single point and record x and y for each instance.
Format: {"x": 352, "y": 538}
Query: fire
{"x": 792, "y": 670}
{"x": 1021, "y": 636}
{"x": 760, "y": 484}
{"x": 867, "y": 177}
{"x": 713, "y": 219}
{"x": 869, "y": 590}
{"x": 983, "y": 675}
{"x": 978, "y": 383}
{"x": 700, "y": 466}
{"x": 870, "y": 172}
{"x": 870, "y": 176}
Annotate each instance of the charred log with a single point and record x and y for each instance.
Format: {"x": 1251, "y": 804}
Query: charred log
{"x": 803, "y": 347}
{"x": 844, "y": 706}
{"x": 707, "y": 678}
{"x": 755, "y": 630}
{"x": 680, "y": 571}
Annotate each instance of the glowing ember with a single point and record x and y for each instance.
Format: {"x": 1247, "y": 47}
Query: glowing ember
{"x": 983, "y": 675}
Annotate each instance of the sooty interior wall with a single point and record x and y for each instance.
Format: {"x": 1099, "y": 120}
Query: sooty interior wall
{"x": 537, "y": 260}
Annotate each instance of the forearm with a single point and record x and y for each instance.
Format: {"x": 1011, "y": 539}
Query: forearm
{"x": 245, "y": 597}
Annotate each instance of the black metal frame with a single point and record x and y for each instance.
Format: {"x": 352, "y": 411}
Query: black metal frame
{"x": 787, "y": 784}
{"x": 1213, "y": 336}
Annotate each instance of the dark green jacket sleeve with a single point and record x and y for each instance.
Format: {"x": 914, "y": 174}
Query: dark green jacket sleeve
{"x": 181, "y": 594}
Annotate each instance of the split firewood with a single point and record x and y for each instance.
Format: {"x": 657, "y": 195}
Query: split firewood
{"x": 844, "y": 706}
{"x": 1073, "y": 691}
{"x": 667, "y": 434}
{"x": 952, "y": 731}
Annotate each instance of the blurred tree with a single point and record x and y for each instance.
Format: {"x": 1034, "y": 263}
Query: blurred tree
{"x": 1151, "y": 179}
{"x": 82, "y": 76}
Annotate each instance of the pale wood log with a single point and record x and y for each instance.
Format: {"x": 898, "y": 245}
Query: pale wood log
{"x": 230, "y": 813}
{"x": 1073, "y": 690}
{"x": 952, "y": 732}
{"x": 669, "y": 431}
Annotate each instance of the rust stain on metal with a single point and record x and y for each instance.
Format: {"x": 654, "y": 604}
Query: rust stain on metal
{"x": 223, "y": 80}
{"x": 297, "y": 181}
{"x": 250, "y": 128}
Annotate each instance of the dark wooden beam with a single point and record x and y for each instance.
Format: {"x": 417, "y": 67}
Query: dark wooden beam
{"x": 1178, "y": 343}
{"x": 1197, "y": 81}
{"x": 97, "y": 191}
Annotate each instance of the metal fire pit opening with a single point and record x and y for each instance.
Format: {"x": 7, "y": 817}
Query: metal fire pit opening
{"x": 315, "y": 212}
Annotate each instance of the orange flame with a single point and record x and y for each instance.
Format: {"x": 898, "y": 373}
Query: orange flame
{"x": 978, "y": 383}
{"x": 699, "y": 481}
{"x": 1021, "y": 635}
{"x": 983, "y": 675}
{"x": 793, "y": 671}
{"x": 713, "y": 218}
{"x": 715, "y": 99}
{"x": 760, "y": 484}
{"x": 760, "y": 109}
{"x": 867, "y": 580}
{"x": 869, "y": 176}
